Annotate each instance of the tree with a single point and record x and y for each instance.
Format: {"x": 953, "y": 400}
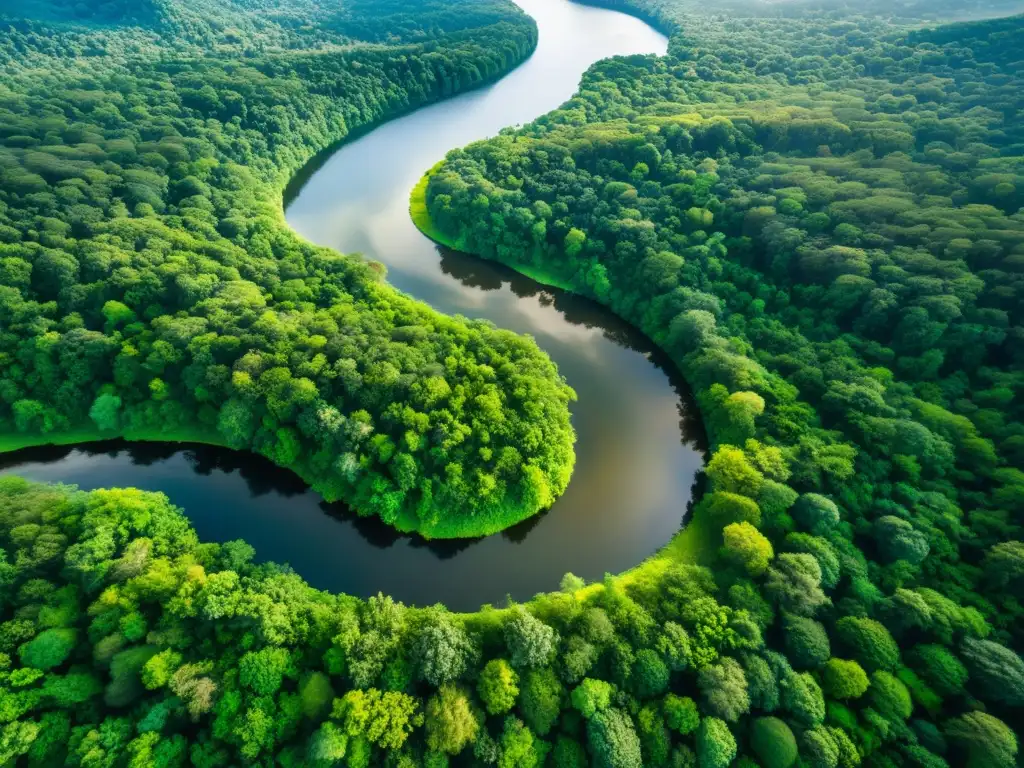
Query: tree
{"x": 574, "y": 241}
{"x": 869, "y": 642}
{"x": 158, "y": 671}
{"x": 681, "y": 713}
{"x": 731, "y": 472}
{"x": 530, "y": 641}
{"x": 613, "y": 740}
{"x": 578, "y": 656}
{"x": 983, "y": 741}
{"x": 444, "y": 651}
{"x": 498, "y": 687}
{"x": 819, "y": 748}
{"x": 650, "y": 674}
{"x": 71, "y": 689}
{"x": 773, "y": 742}
{"x": 519, "y": 747}
{"x": 263, "y": 671}
{"x": 716, "y": 746}
{"x": 655, "y": 740}
{"x": 802, "y": 697}
{"x": 898, "y": 541}
{"x": 816, "y": 513}
{"x": 842, "y": 679}
{"x": 106, "y": 412}
{"x": 450, "y": 722}
{"x": 794, "y": 583}
{"x": 1004, "y": 563}
{"x": 724, "y": 508}
{"x": 890, "y": 697}
{"x": 591, "y": 696}
{"x": 49, "y": 649}
{"x": 940, "y": 668}
{"x": 747, "y": 547}
{"x": 762, "y": 685}
{"x": 385, "y": 719}
{"x": 316, "y": 694}
{"x": 674, "y": 646}
{"x": 723, "y": 687}
{"x": 327, "y": 745}
{"x": 997, "y": 671}
{"x": 568, "y": 753}
{"x": 540, "y": 700}
{"x": 822, "y": 551}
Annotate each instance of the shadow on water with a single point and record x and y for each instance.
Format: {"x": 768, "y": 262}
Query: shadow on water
{"x": 474, "y": 272}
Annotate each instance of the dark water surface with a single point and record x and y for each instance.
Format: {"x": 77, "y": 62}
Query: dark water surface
{"x": 638, "y": 449}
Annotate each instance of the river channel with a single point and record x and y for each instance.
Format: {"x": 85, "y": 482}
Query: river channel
{"x": 639, "y": 442}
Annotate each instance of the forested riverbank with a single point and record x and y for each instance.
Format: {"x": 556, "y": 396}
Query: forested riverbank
{"x": 818, "y": 218}
{"x": 151, "y": 286}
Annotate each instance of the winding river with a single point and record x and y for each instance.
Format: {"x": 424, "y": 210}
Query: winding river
{"x": 638, "y": 450}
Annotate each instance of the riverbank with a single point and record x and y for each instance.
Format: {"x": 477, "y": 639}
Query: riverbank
{"x": 421, "y": 217}
{"x": 699, "y": 540}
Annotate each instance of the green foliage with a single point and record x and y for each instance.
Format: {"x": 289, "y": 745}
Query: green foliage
{"x": 940, "y": 668}
{"x": 540, "y": 699}
{"x": 450, "y": 722}
{"x": 869, "y": 642}
{"x": 842, "y": 679}
{"x": 723, "y": 688}
{"x": 995, "y": 670}
{"x": 263, "y": 671}
{"x": 530, "y": 641}
{"x": 498, "y": 687}
{"x": 745, "y": 546}
{"x": 382, "y": 718}
{"x": 716, "y": 746}
{"x": 650, "y": 675}
{"x": 316, "y": 694}
{"x": 49, "y": 649}
{"x": 806, "y": 641}
{"x": 794, "y": 583}
{"x": 591, "y": 697}
{"x": 982, "y": 740}
{"x": 816, "y": 513}
{"x": 613, "y": 741}
{"x": 803, "y": 699}
{"x": 444, "y": 651}
{"x": 813, "y": 211}
{"x": 681, "y": 713}
{"x": 890, "y": 697}
{"x": 519, "y": 747}
{"x": 773, "y": 742}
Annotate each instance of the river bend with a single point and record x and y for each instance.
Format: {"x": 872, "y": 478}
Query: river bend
{"x": 638, "y": 449}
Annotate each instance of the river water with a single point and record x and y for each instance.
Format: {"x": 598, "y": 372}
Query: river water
{"x": 638, "y": 449}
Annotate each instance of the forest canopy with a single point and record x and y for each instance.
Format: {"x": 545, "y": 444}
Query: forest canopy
{"x": 150, "y": 288}
{"x": 816, "y": 211}
{"x": 818, "y": 214}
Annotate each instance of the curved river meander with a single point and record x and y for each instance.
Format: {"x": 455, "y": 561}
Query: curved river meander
{"x": 638, "y": 442}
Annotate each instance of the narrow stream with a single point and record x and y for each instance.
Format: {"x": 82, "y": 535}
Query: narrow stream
{"x": 638, "y": 449}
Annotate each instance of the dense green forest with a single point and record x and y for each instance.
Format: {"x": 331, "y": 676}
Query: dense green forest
{"x": 150, "y": 288}
{"x": 817, "y": 215}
